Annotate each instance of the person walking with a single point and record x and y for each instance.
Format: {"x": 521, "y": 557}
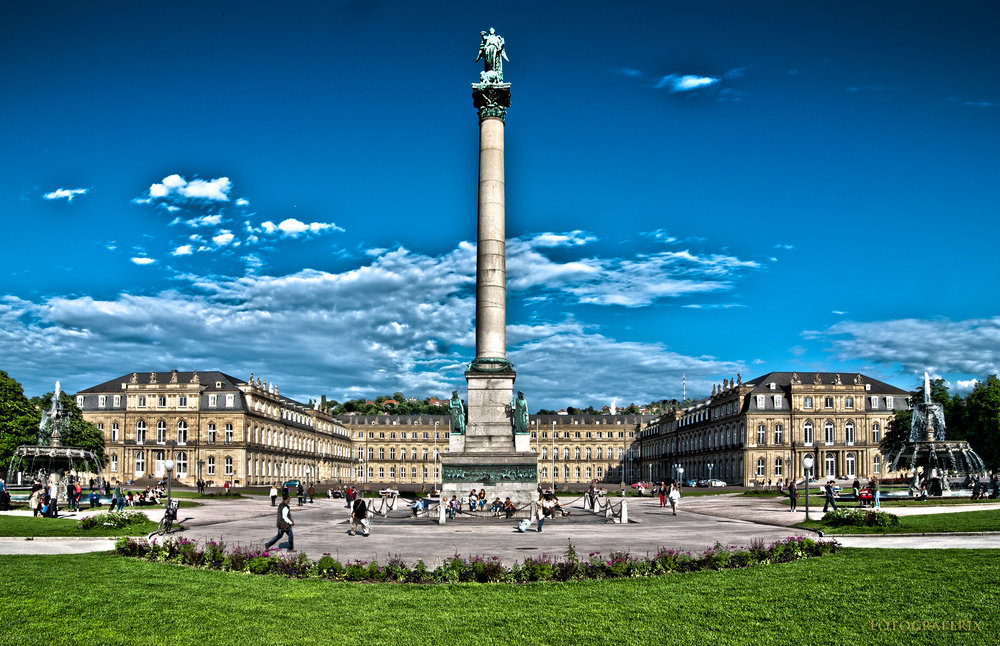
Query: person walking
{"x": 359, "y": 516}
{"x": 285, "y": 524}
{"x": 829, "y": 492}
{"x": 793, "y": 496}
{"x": 35, "y": 502}
{"x": 301, "y": 495}
{"x": 312, "y": 493}
{"x": 873, "y": 486}
{"x": 856, "y": 490}
{"x": 119, "y": 496}
{"x": 675, "y": 498}
{"x": 274, "y": 495}
{"x": 663, "y": 494}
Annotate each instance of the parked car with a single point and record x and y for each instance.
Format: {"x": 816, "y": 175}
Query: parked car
{"x": 717, "y": 483}
{"x": 292, "y": 484}
{"x": 691, "y": 483}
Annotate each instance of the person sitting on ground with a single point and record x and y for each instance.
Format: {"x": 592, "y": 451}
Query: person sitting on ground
{"x": 497, "y": 508}
{"x": 923, "y": 493}
{"x": 509, "y": 507}
{"x": 95, "y": 500}
{"x": 453, "y": 507}
{"x": 416, "y": 507}
{"x": 473, "y": 500}
{"x": 482, "y": 499}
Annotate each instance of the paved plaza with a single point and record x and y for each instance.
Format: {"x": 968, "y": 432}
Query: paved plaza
{"x": 322, "y": 527}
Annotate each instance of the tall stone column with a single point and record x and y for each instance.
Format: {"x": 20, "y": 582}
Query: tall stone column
{"x": 490, "y": 454}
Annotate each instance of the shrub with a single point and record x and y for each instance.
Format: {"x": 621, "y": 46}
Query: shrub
{"x": 115, "y": 519}
{"x": 536, "y": 569}
{"x": 329, "y": 567}
{"x": 356, "y": 571}
{"x": 860, "y": 518}
{"x": 260, "y": 565}
{"x": 215, "y": 555}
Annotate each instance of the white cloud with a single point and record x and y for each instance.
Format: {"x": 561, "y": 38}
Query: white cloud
{"x": 784, "y": 246}
{"x": 183, "y": 250}
{"x": 142, "y": 260}
{"x": 965, "y": 386}
{"x": 242, "y": 202}
{"x": 660, "y": 235}
{"x": 223, "y": 237}
{"x": 378, "y": 251}
{"x": 204, "y": 221}
{"x": 292, "y": 228}
{"x": 686, "y": 83}
{"x": 324, "y": 333}
{"x": 941, "y": 346}
{"x": 65, "y": 193}
{"x": 175, "y": 187}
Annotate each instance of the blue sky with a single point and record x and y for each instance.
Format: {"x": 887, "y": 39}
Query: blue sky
{"x": 702, "y": 188}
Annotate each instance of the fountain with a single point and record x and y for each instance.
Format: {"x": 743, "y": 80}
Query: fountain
{"x": 929, "y": 449}
{"x": 53, "y": 460}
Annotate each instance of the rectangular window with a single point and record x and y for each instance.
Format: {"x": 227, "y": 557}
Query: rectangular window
{"x": 392, "y": 454}
{"x": 114, "y": 431}
{"x": 426, "y": 436}
{"x": 140, "y": 401}
{"x": 114, "y": 463}
{"x": 213, "y": 401}
{"x": 211, "y": 433}
{"x": 211, "y": 466}
{"x": 424, "y": 454}
{"x": 229, "y": 466}
{"x": 760, "y": 401}
{"x": 392, "y": 436}
{"x": 102, "y": 401}
{"x": 828, "y": 402}
{"x": 874, "y": 401}
{"x": 371, "y": 453}
{"x": 161, "y": 401}
{"x": 777, "y": 401}
{"x": 100, "y": 427}
{"x": 182, "y": 401}
{"x": 807, "y": 402}
{"x": 888, "y": 402}
{"x": 381, "y": 473}
{"x": 229, "y": 434}
{"x": 381, "y": 453}
{"x": 230, "y": 400}
{"x": 848, "y": 402}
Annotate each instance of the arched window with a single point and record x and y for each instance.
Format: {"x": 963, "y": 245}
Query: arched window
{"x": 831, "y": 465}
{"x": 577, "y": 473}
{"x": 158, "y": 464}
{"x": 778, "y": 466}
{"x": 566, "y": 473}
{"x": 761, "y": 467}
{"x": 140, "y": 463}
{"x": 807, "y": 433}
{"x": 566, "y": 457}
{"x": 828, "y": 433}
{"x": 850, "y": 465}
{"x": 876, "y": 433}
{"x": 779, "y": 434}
{"x": 182, "y": 432}
{"x": 876, "y": 464}
{"x": 810, "y": 472}
{"x": 599, "y": 454}
{"x": 182, "y": 464}
{"x": 545, "y": 453}
{"x": 114, "y": 463}
{"x": 140, "y": 432}
{"x": 576, "y": 453}
{"x": 545, "y": 473}
{"x": 849, "y": 433}
{"x": 589, "y": 454}
{"x": 161, "y": 432}
{"x": 211, "y": 465}
{"x": 229, "y": 466}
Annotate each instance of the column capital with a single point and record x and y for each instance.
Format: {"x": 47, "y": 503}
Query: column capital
{"x": 491, "y": 99}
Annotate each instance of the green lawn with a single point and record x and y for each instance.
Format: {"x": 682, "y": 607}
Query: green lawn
{"x": 892, "y": 502}
{"x": 987, "y": 520}
{"x": 102, "y": 599}
{"x": 29, "y": 526}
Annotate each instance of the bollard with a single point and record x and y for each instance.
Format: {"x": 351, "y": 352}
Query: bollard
{"x": 624, "y": 512}
{"x": 442, "y": 513}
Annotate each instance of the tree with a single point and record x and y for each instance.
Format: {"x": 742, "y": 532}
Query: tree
{"x": 18, "y": 419}
{"x": 399, "y": 397}
{"x": 983, "y": 415}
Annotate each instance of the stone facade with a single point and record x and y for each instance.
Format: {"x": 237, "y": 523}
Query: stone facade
{"x": 214, "y": 426}
{"x": 758, "y": 432}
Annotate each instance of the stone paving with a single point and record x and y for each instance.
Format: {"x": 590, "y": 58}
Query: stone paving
{"x": 322, "y": 527}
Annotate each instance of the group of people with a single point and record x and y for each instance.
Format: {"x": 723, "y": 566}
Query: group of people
{"x": 44, "y": 500}
{"x": 669, "y": 493}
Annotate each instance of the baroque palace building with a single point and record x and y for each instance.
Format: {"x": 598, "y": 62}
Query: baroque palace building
{"x": 758, "y": 432}
{"x": 215, "y": 427}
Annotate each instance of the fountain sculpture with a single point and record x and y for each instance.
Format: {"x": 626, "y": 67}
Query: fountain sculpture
{"x": 929, "y": 449}
{"x": 53, "y": 461}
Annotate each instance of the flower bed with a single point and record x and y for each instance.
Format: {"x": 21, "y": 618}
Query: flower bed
{"x": 215, "y": 555}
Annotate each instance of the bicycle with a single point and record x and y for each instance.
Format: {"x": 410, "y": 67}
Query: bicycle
{"x": 169, "y": 516}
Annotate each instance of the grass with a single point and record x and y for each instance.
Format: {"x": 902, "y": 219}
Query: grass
{"x": 830, "y": 600}
{"x": 896, "y": 502}
{"x": 31, "y": 527}
{"x": 987, "y": 520}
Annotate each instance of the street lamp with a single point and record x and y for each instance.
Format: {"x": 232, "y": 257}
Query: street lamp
{"x": 553, "y": 457}
{"x": 169, "y": 466}
{"x": 807, "y": 464}
{"x": 435, "y": 478}
{"x": 710, "y": 465}
{"x": 680, "y": 476}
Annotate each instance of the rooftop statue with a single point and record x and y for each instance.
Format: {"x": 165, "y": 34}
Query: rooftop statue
{"x": 492, "y": 50}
